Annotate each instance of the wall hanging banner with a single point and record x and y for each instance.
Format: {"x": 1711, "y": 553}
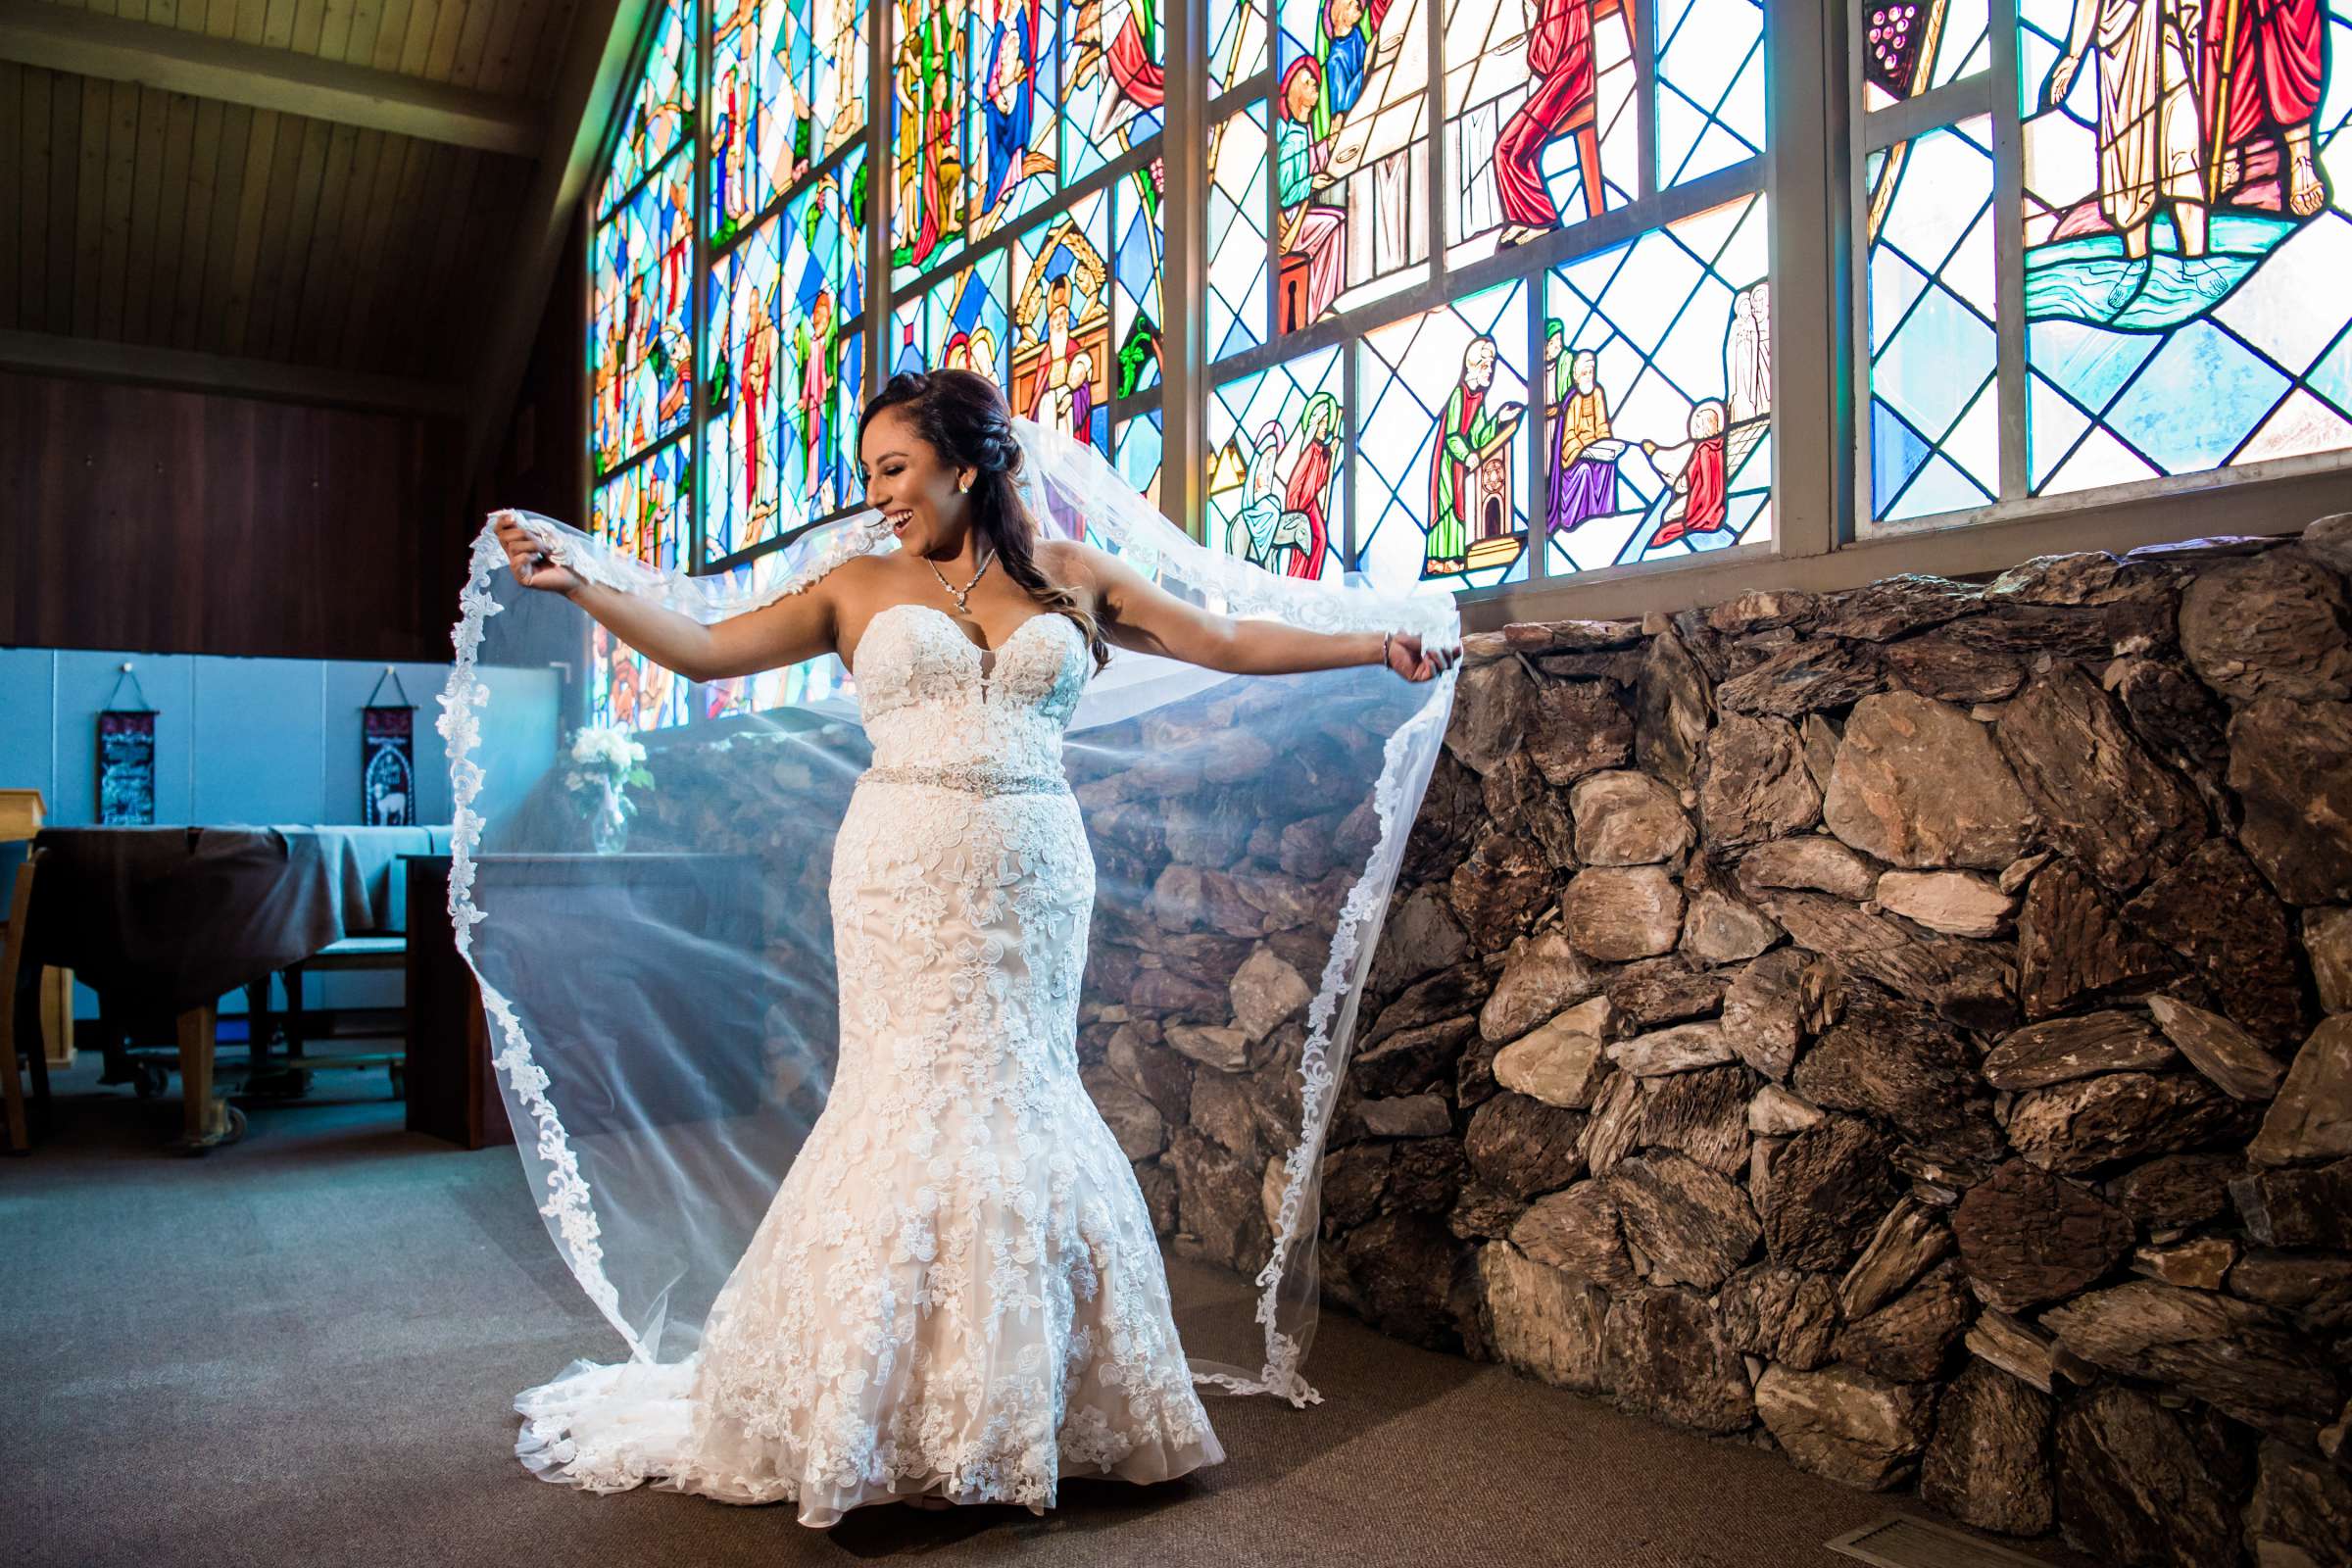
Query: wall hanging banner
{"x": 388, "y": 758}
{"x": 126, "y": 758}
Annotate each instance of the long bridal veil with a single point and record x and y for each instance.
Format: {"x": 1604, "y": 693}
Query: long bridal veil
{"x": 661, "y": 1006}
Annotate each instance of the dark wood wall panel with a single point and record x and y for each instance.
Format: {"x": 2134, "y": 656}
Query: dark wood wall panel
{"x": 179, "y": 522}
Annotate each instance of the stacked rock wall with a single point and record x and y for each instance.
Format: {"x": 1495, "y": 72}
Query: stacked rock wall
{"x": 1905, "y": 1027}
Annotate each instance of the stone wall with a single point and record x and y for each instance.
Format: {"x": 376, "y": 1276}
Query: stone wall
{"x": 1905, "y": 1027}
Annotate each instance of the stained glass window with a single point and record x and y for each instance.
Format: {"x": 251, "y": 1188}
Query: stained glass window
{"x": 787, "y": 89}
{"x": 640, "y": 357}
{"x": 1114, "y": 81}
{"x": 1277, "y": 466}
{"x": 1710, "y": 64}
{"x": 2174, "y": 277}
{"x": 1137, "y": 452}
{"x": 638, "y": 513}
{"x": 1657, "y": 383}
{"x": 1934, "y": 416}
{"x": 1063, "y": 358}
{"x": 927, "y": 111}
{"x": 1350, "y": 154}
{"x": 1578, "y": 402}
{"x": 1539, "y": 126}
{"x": 1440, "y": 460}
{"x": 660, "y": 110}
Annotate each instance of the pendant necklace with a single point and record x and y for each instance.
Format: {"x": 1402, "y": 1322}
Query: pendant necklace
{"x": 960, "y": 595}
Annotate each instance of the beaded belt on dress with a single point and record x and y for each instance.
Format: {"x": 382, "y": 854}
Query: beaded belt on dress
{"x": 980, "y": 778}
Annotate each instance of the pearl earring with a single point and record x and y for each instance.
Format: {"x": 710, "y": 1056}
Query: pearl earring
{"x": 963, "y": 487}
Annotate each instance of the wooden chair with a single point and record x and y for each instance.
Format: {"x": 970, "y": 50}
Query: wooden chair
{"x": 300, "y": 1019}
{"x": 20, "y": 1015}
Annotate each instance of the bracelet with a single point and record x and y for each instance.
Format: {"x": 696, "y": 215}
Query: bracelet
{"x": 1384, "y": 646}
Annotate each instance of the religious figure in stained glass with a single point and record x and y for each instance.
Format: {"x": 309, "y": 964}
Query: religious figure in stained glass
{"x": 1009, "y": 108}
{"x": 818, "y": 344}
{"x": 1697, "y": 465}
{"x": 1469, "y": 474}
{"x": 760, "y": 347}
{"x": 925, "y": 130}
{"x": 1131, "y": 61}
{"x": 1581, "y": 478}
{"x": 1312, "y": 235}
{"x": 2149, "y": 151}
{"x": 1306, "y": 497}
{"x": 1344, "y": 46}
{"x": 2262, "y": 66}
{"x": 1560, "y": 102}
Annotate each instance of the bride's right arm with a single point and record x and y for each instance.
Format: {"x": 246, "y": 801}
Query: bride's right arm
{"x": 796, "y": 626}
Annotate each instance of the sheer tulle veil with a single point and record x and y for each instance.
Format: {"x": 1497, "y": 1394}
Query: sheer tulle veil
{"x": 662, "y": 1016}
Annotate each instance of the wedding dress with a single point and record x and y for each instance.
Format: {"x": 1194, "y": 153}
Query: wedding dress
{"x": 808, "y": 1083}
{"x": 957, "y": 1289}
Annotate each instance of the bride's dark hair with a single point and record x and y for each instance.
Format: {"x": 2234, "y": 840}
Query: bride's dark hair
{"x": 965, "y": 419}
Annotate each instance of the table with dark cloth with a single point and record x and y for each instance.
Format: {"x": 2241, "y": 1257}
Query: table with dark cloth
{"x": 166, "y": 919}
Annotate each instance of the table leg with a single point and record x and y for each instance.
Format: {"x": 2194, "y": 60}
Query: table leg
{"x": 208, "y": 1120}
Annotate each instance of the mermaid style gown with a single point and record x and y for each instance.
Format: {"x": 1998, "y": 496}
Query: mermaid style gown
{"x": 957, "y": 1288}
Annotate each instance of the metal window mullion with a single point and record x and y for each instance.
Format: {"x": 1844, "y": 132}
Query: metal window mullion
{"x": 2009, "y": 252}
{"x": 1183, "y": 218}
{"x": 881, "y": 193}
{"x": 1646, "y": 96}
{"x": 1434, "y": 101}
{"x": 1811, "y": 257}
{"x": 1539, "y": 437}
{"x": 697, "y": 466}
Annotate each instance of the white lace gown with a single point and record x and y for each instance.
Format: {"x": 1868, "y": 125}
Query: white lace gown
{"x": 957, "y": 1289}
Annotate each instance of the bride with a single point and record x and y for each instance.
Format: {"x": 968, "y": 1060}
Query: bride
{"x": 956, "y": 1295}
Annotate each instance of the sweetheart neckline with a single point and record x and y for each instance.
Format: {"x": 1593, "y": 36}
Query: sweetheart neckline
{"x": 980, "y": 654}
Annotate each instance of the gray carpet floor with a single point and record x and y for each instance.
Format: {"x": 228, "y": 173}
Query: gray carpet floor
{"x": 301, "y": 1349}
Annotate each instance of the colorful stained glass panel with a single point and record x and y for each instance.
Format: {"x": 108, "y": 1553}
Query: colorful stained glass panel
{"x": 639, "y": 355}
{"x": 1710, "y": 72}
{"x": 1063, "y": 355}
{"x": 1350, "y": 154}
{"x": 657, "y": 119}
{"x": 787, "y": 79}
{"x": 1010, "y": 143}
{"x": 1237, "y": 234}
{"x": 1115, "y": 82}
{"x": 1540, "y": 120}
{"x": 1277, "y": 466}
{"x": 1138, "y": 267}
{"x": 1914, "y": 47}
{"x": 2185, "y": 240}
{"x": 1441, "y": 459}
{"x": 643, "y": 514}
{"x": 1658, "y": 387}
{"x": 927, "y": 113}
{"x": 1934, "y": 415}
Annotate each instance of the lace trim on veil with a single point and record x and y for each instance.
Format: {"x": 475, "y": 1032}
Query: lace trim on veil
{"x": 1123, "y": 518}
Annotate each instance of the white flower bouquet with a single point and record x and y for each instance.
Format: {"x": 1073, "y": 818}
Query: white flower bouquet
{"x": 605, "y": 763}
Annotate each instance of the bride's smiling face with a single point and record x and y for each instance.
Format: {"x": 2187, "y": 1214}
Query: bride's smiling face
{"x": 911, "y": 486}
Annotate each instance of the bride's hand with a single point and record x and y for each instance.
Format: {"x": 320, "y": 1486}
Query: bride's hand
{"x": 1407, "y": 657}
{"x": 530, "y": 564}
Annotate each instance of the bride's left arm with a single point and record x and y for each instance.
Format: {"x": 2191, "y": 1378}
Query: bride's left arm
{"x": 1135, "y": 613}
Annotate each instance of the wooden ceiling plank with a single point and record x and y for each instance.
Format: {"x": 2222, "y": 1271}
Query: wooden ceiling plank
{"x": 473, "y": 43}
{"x": 166, "y": 255}
{"x": 416, "y": 47}
{"x": 193, "y": 244}
{"x": 449, "y": 23}
{"x": 304, "y": 237}
{"x": 122, "y": 183}
{"x": 405, "y": 325}
{"x": 456, "y": 242}
{"x": 151, "y": 179}
{"x": 362, "y": 337}
{"x": 90, "y": 201}
{"x": 278, "y": 242}
{"x": 494, "y": 69}
{"x": 328, "y": 255}
{"x": 357, "y": 271}
{"x": 144, "y": 364}
{"x": 580, "y": 107}
{"x": 253, "y": 206}
{"x": 280, "y": 71}
{"x": 226, "y": 227}
{"x": 12, "y": 190}
{"x": 64, "y": 165}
